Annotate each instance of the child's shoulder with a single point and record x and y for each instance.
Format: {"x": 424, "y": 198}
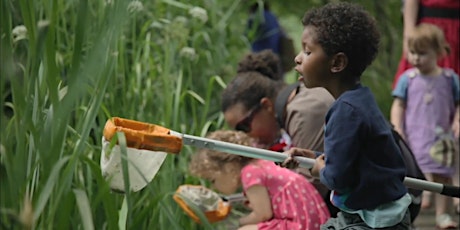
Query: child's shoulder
{"x": 410, "y": 73}
{"x": 448, "y": 72}
{"x": 413, "y": 72}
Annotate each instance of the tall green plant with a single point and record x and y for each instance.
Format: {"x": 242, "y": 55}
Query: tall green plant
{"x": 76, "y": 65}
{"x": 42, "y": 159}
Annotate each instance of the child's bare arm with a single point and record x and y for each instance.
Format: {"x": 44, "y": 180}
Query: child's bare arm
{"x": 398, "y": 108}
{"x": 260, "y": 204}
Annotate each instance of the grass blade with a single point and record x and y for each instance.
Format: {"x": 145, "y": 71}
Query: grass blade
{"x": 85, "y": 209}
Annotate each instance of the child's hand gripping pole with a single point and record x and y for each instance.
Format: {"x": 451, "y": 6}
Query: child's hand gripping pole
{"x": 158, "y": 138}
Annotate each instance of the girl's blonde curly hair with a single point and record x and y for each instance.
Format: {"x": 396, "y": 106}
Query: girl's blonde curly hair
{"x": 207, "y": 161}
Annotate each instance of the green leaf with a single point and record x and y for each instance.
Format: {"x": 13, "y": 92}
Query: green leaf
{"x": 123, "y": 215}
{"x": 48, "y": 187}
{"x": 84, "y": 208}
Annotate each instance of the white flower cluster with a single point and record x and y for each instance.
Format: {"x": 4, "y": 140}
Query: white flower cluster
{"x": 135, "y": 6}
{"x": 199, "y": 13}
{"x": 19, "y": 33}
{"x": 43, "y": 24}
{"x": 180, "y": 20}
{"x": 108, "y": 2}
{"x": 188, "y": 52}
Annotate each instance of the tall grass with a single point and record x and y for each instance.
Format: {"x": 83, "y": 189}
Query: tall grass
{"x": 82, "y": 62}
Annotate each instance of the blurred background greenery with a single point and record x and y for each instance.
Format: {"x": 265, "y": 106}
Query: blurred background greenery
{"x": 67, "y": 66}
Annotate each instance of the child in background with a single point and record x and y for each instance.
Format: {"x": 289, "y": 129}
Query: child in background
{"x": 425, "y": 110}
{"x": 264, "y": 28}
{"x": 278, "y": 197}
{"x": 361, "y": 162}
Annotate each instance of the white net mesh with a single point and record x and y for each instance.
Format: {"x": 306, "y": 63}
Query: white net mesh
{"x": 143, "y": 165}
{"x": 204, "y": 198}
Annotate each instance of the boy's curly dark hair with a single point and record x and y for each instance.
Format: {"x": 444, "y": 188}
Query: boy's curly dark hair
{"x": 348, "y": 28}
{"x": 258, "y": 75}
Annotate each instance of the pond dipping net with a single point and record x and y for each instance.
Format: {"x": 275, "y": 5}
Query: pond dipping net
{"x": 194, "y": 198}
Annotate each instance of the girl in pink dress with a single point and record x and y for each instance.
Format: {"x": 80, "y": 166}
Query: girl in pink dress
{"x": 279, "y": 198}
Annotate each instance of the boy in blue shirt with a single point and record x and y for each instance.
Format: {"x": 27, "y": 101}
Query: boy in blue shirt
{"x": 361, "y": 162}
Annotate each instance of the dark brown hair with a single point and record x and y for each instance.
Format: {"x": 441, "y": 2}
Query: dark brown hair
{"x": 259, "y": 75}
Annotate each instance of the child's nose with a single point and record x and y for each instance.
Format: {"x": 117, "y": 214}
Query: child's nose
{"x": 297, "y": 59}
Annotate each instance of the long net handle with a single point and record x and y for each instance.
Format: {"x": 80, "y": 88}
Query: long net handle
{"x": 242, "y": 150}
{"x": 201, "y": 142}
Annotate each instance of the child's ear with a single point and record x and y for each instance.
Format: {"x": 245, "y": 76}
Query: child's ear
{"x": 339, "y": 62}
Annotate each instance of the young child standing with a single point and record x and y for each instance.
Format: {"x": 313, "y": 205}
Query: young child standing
{"x": 361, "y": 162}
{"x": 425, "y": 111}
{"x": 278, "y": 197}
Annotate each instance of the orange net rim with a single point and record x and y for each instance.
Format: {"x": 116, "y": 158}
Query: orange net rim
{"x": 142, "y": 135}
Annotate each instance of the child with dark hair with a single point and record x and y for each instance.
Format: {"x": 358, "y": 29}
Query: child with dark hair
{"x": 361, "y": 162}
{"x": 278, "y": 197}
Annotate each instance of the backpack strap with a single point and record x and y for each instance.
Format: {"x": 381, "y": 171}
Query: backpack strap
{"x": 410, "y": 77}
{"x": 449, "y": 73}
{"x": 281, "y": 101}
